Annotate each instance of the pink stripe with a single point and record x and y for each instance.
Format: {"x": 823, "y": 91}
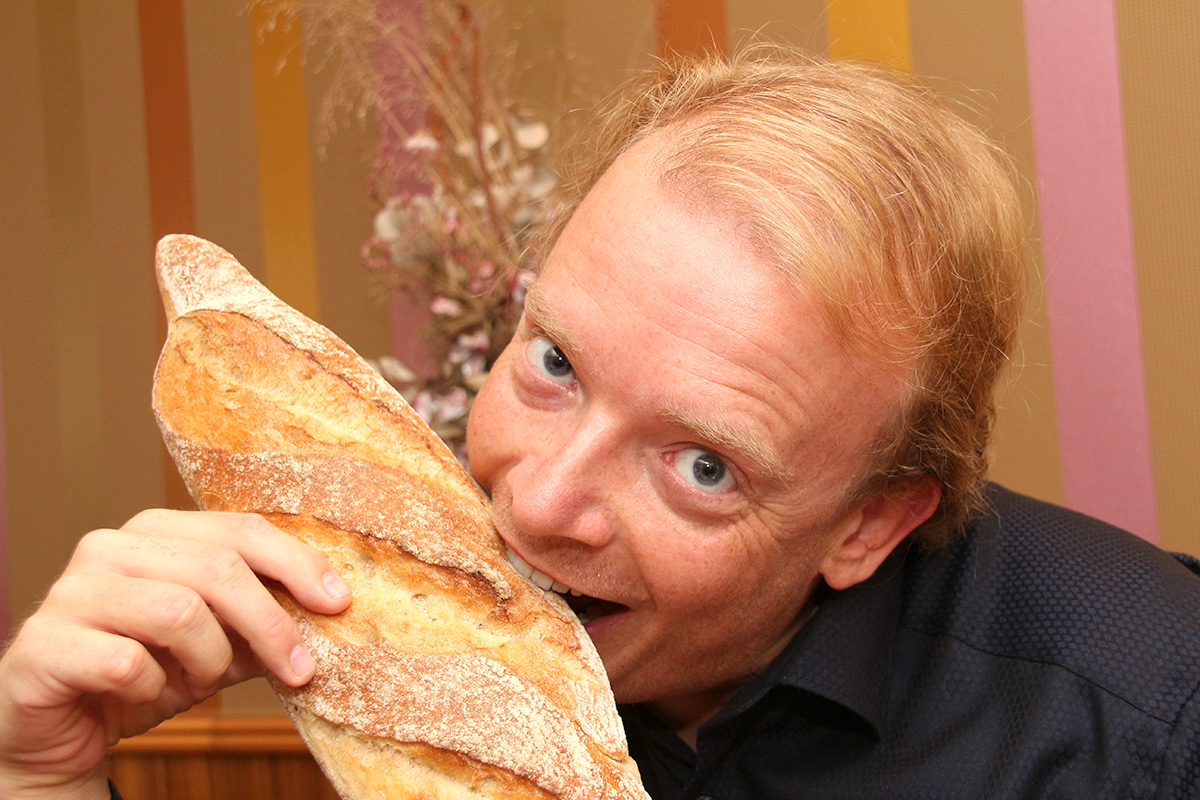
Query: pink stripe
{"x": 398, "y": 21}
{"x": 5, "y": 592}
{"x": 1088, "y": 250}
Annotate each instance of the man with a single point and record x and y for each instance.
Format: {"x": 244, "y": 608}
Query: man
{"x": 744, "y": 418}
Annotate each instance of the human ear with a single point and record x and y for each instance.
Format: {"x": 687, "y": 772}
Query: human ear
{"x": 872, "y": 532}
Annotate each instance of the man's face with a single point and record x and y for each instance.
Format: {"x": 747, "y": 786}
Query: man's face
{"x": 672, "y": 433}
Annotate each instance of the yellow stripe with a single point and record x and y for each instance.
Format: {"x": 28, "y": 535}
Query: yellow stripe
{"x": 285, "y": 174}
{"x": 874, "y": 30}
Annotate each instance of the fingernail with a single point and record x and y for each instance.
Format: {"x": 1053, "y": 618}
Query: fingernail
{"x": 301, "y": 661}
{"x": 335, "y": 587}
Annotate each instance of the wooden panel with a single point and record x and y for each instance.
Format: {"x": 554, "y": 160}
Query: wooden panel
{"x": 220, "y": 777}
{"x": 210, "y": 757}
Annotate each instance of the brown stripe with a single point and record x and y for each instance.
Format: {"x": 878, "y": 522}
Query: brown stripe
{"x": 690, "y": 26}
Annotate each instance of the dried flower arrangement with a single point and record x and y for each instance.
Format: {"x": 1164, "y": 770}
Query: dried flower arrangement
{"x": 461, "y": 188}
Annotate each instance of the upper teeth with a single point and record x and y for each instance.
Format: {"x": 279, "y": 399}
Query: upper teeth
{"x": 539, "y": 579}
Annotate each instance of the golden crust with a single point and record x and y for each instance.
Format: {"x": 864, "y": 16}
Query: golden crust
{"x": 449, "y": 675}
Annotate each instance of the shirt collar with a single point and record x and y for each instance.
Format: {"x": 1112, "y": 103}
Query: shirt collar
{"x": 843, "y": 653}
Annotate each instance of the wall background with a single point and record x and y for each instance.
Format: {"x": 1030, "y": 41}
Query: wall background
{"x": 124, "y": 121}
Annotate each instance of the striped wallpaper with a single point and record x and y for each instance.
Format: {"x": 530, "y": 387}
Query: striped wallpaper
{"x": 123, "y": 122}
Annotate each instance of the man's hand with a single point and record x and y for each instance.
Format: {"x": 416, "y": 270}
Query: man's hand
{"x": 147, "y": 621}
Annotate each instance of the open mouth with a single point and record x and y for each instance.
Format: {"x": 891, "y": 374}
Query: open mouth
{"x": 586, "y": 607}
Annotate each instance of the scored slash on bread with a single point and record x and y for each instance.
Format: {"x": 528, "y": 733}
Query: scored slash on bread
{"x": 450, "y": 675}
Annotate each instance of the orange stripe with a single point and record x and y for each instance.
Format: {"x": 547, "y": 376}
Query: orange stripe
{"x": 875, "y": 30}
{"x": 168, "y": 120}
{"x": 285, "y": 174}
{"x": 171, "y": 171}
{"x": 690, "y": 26}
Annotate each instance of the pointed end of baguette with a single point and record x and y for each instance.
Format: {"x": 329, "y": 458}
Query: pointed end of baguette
{"x": 194, "y": 273}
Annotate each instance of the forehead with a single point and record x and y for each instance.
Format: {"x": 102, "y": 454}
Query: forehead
{"x": 665, "y": 307}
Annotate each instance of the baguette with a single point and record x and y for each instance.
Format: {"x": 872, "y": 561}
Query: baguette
{"x": 450, "y": 675}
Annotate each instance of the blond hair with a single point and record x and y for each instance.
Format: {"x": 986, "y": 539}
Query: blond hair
{"x": 868, "y": 192}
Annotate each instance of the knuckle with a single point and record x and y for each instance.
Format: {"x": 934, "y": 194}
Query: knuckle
{"x": 183, "y": 610}
{"x": 94, "y": 544}
{"x": 247, "y": 525}
{"x": 204, "y": 676}
{"x": 278, "y": 625}
{"x": 62, "y": 594}
{"x": 149, "y": 519}
{"x": 32, "y": 632}
{"x": 222, "y": 566}
{"x": 124, "y": 663}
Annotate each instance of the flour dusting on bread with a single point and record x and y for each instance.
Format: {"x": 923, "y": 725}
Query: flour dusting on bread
{"x": 450, "y": 675}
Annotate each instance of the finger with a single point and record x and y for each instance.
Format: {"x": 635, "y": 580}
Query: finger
{"x": 47, "y": 670}
{"x": 161, "y": 614}
{"x": 220, "y": 576}
{"x": 303, "y": 569}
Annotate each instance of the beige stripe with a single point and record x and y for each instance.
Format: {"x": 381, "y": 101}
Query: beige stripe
{"x": 27, "y": 314}
{"x": 977, "y": 52}
{"x": 221, "y": 87}
{"x": 75, "y": 323}
{"x": 1161, "y": 98}
{"x": 133, "y": 461}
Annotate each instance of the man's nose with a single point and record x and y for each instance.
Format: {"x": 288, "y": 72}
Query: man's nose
{"x": 563, "y": 487}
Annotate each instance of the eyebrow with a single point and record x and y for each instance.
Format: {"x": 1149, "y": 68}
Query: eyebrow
{"x": 743, "y": 446}
{"x": 540, "y": 313}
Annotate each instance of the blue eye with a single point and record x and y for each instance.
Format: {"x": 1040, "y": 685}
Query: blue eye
{"x": 546, "y": 357}
{"x": 704, "y": 470}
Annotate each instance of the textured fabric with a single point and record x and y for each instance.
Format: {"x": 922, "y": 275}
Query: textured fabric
{"x": 1042, "y": 655}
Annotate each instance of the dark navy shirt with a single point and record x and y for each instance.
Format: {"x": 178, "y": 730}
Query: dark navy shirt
{"x": 1043, "y": 654}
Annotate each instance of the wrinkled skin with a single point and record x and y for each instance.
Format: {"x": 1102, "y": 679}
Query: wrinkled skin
{"x": 674, "y": 431}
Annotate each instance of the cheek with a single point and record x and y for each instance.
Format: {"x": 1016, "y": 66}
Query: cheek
{"x": 491, "y": 427}
{"x": 689, "y": 575}
{"x": 742, "y": 572}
